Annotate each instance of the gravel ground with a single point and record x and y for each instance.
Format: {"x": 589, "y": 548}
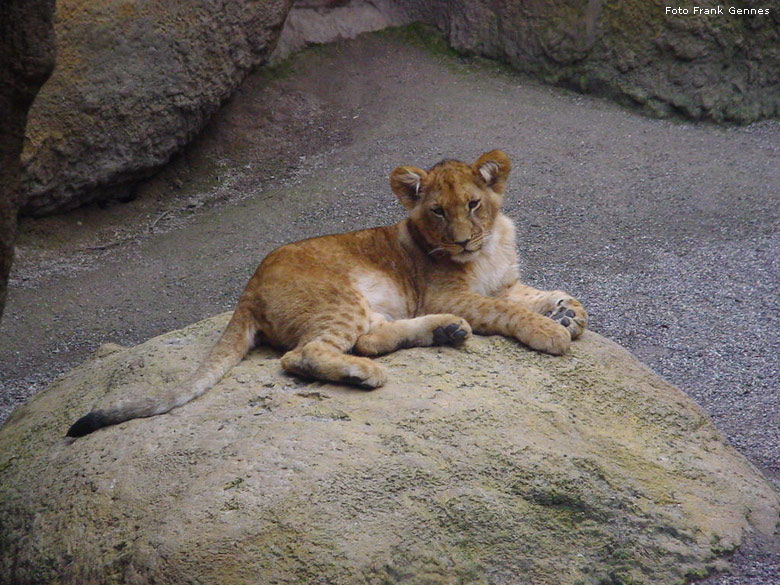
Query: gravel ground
{"x": 667, "y": 231}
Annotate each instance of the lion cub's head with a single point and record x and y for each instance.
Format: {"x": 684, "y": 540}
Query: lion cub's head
{"x": 453, "y": 205}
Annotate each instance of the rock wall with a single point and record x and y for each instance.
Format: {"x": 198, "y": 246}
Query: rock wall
{"x": 325, "y": 21}
{"x": 719, "y": 67}
{"x": 470, "y": 466}
{"x": 27, "y": 50}
{"x": 134, "y": 82}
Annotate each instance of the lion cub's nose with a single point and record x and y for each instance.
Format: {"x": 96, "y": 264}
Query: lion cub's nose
{"x": 463, "y": 243}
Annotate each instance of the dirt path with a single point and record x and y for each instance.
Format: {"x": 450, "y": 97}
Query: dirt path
{"x": 666, "y": 231}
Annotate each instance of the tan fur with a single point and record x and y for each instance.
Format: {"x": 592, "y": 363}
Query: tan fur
{"x": 446, "y": 269}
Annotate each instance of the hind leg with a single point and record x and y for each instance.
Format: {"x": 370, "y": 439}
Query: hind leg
{"x": 326, "y": 361}
{"x": 386, "y": 336}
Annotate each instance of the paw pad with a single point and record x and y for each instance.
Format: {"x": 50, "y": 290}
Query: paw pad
{"x": 567, "y": 317}
{"x": 449, "y": 335}
{"x": 562, "y": 315}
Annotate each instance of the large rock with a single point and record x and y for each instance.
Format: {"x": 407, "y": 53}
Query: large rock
{"x": 483, "y": 465}
{"x": 312, "y": 22}
{"x": 134, "y": 82}
{"x": 721, "y": 67}
{"x": 27, "y": 52}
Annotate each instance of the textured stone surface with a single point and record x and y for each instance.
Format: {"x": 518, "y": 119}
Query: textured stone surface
{"x": 720, "y": 67}
{"x": 134, "y": 82}
{"x": 26, "y": 59}
{"x": 313, "y": 22}
{"x": 472, "y": 465}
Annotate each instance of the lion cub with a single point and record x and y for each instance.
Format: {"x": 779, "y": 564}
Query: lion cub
{"x": 449, "y": 268}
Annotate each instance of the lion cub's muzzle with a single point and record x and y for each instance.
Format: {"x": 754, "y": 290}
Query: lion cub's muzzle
{"x": 473, "y": 244}
{"x": 462, "y": 248}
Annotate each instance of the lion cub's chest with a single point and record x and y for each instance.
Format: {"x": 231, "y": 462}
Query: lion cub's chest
{"x": 496, "y": 267}
{"x": 384, "y": 295}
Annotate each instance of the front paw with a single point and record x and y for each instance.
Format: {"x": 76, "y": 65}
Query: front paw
{"x": 547, "y": 336}
{"x": 452, "y": 331}
{"x": 569, "y": 313}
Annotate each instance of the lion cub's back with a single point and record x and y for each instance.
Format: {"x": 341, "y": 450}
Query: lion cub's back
{"x": 371, "y": 249}
{"x": 367, "y": 263}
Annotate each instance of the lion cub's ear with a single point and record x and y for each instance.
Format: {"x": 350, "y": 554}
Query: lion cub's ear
{"x": 493, "y": 168}
{"x": 406, "y": 183}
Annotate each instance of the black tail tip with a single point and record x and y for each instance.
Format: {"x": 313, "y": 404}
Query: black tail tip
{"x": 88, "y": 423}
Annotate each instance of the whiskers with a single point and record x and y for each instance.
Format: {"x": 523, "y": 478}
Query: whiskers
{"x": 474, "y": 245}
{"x": 485, "y": 234}
{"x": 450, "y": 248}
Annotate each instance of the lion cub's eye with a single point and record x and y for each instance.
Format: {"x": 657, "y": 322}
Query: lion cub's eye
{"x": 474, "y": 203}
{"x": 437, "y": 211}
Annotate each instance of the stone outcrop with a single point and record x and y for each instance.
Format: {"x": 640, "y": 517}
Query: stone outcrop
{"x": 312, "y": 22}
{"x": 134, "y": 82}
{"x": 471, "y": 465}
{"x": 724, "y": 67}
{"x": 27, "y": 52}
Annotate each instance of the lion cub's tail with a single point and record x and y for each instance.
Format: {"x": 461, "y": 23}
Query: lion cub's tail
{"x": 236, "y": 341}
